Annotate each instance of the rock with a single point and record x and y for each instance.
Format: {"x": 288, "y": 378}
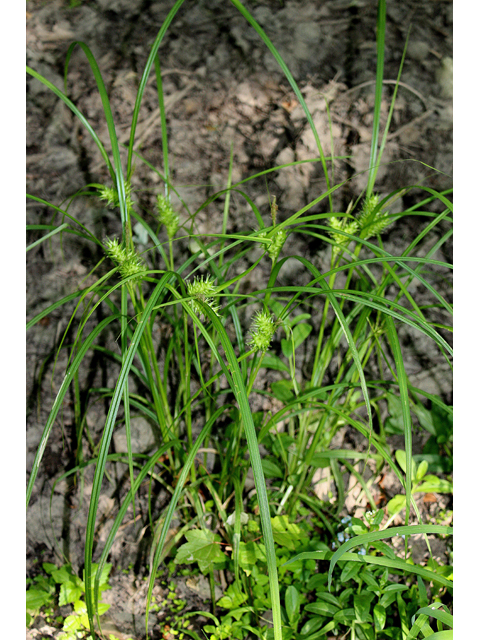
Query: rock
{"x": 418, "y": 50}
{"x": 142, "y": 436}
{"x": 125, "y": 7}
{"x": 444, "y": 77}
{"x": 37, "y": 87}
{"x": 307, "y": 32}
{"x": 201, "y": 586}
{"x": 38, "y": 520}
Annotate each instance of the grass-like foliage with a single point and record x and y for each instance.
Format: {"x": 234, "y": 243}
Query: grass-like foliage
{"x": 224, "y": 335}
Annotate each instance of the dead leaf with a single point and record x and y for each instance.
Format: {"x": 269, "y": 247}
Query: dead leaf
{"x": 289, "y": 105}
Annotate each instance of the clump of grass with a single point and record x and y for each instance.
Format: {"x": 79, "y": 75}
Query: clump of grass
{"x": 216, "y": 359}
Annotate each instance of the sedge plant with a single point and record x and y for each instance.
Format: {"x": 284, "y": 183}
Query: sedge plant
{"x": 225, "y": 336}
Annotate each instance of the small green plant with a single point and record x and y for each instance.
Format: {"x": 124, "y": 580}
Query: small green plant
{"x": 363, "y": 594}
{"x": 202, "y": 547}
{"x": 437, "y": 421}
{"x": 421, "y": 483}
{"x": 41, "y": 594}
{"x": 59, "y": 587}
{"x": 365, "y": 598}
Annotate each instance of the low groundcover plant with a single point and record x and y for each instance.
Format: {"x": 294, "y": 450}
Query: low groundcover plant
{"x": 294, "y": 568}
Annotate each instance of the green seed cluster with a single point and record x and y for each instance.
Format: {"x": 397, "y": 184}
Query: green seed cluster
{"x": 371, "y": 222}
{"x": 204, "y": 290}
{"x": 262, "y": 331}
{"x": 128, "y": 260}
{"x": 278, "y": 236}
{"x": 278, "y": 240}
{"x": 167, "y": 216}
{"x": 341, "y": 224}
{"x": 110, "y": 195}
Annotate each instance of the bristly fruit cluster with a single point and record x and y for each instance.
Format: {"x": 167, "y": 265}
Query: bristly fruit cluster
{"x": 262, "y": 331}
{"x": 128, "y": 261}
{"x": 110, "y": 195}
{"x": 167, "y": 216}
{"x": 203, "y": 290}
{"x": 278, "y": 237}
{"x": 371, "y": 222}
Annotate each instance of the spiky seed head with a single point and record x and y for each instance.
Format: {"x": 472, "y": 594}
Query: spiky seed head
{"x": 113, "y": 250}
{"x": 110, "y": 195}
{"x": 372, "y": 222}
{"x": 262, "y": 330}
{"x": 204, "y": 290}
{"x": 278, "y": 240}
{"x": 274, "y": 210}
{"x": 341, "y": 224}
{"x": 167, "y": 216}
{"x": 368, "y": 209}
{"x": 376, "y": 228}
{"x": 132, "y": 266}
{"x": 127, "y": 260}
